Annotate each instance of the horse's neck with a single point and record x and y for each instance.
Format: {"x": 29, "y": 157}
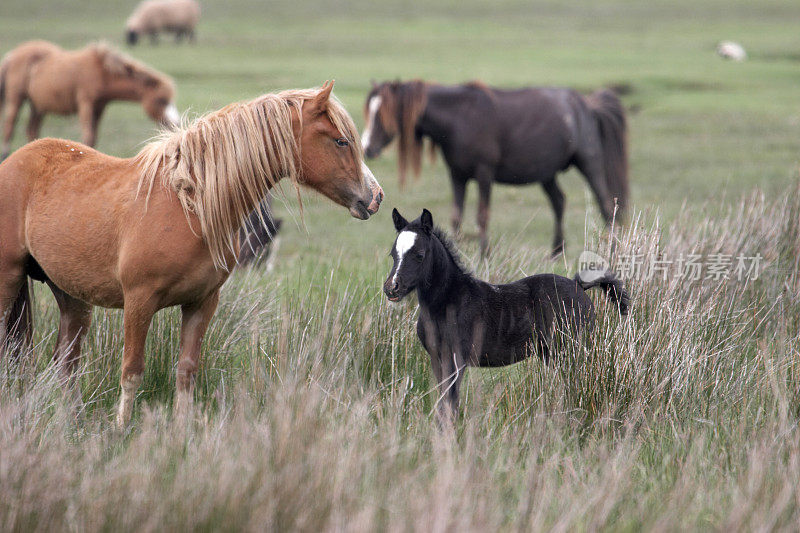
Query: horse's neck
{"x": 441, "y": 112}
{"x": 123, "y": 88}
{"x": 444, "y": 282}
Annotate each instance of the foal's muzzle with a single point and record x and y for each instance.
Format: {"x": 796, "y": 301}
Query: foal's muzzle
{"x": 393, "y": 290}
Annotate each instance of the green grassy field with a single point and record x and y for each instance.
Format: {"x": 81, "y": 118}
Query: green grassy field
{"x": 315, "y": 399}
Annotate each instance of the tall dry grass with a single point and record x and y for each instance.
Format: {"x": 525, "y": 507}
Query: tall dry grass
{"x": 314, "y": 409}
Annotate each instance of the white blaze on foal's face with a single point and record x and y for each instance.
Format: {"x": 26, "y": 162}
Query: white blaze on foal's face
{"x": 405, "y": 241}
{"x": 372, "y": 110}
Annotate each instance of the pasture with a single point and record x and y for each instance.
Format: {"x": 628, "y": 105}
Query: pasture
{"x": 315, "y": 399}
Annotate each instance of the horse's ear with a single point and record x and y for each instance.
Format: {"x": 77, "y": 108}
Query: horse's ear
{"x": 399, "y": 222}
{"x": 427, "y": 220}
{"x": 320, "y": 102}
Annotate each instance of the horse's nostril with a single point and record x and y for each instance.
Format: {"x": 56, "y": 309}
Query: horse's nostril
{"x": 395, "y": 286}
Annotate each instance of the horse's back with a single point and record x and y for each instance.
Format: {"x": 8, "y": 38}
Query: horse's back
{"x": 560, "y": 298}
{"x": 18, "y": 63}
{"x": 539, "y": 132}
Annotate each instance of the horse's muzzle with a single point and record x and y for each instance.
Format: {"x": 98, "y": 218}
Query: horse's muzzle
{"x": 377, "y": 198}
{"x": 393, "y": 291}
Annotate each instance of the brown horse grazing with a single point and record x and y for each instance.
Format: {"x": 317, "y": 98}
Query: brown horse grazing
{"x": 81, "y": 81}
{"x": 161, "y": 229}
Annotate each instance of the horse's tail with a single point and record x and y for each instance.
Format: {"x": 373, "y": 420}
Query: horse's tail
{"x": 19, "y": 324}
{"x": 612, "y": 285}
{"x": 610, "y": 116}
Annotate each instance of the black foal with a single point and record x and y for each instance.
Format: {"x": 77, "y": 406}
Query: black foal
{"x": 465, "y": 321}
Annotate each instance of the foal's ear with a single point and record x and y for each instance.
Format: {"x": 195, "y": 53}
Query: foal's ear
{"x": 427, "y": 220}
{"x": 399, "y": 222}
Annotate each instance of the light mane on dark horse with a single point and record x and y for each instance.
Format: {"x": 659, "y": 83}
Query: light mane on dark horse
{"x": 161, "y": 229}
{"x": 464, "y": 321}
{"x": 514, "y": 137}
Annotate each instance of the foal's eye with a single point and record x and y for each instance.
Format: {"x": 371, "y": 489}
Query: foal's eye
{"x": 419, "y": 256}
{"x": 342, "y": 142}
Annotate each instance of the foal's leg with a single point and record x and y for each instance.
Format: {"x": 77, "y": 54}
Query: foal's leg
{"x": 194, "y": 323}
{"x": 137, "y": 315}
{"x": 11, "y": 111}
{"x": 557, "y": 200}
{"x": 76, "y": 316}
{"x": 450, "y": 368}
{"x": 34, "y": 123}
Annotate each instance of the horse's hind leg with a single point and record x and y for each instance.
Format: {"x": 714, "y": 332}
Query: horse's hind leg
{"x": 194, "y": 323}
{"x": 557, "y": 200}
{"x": 15, "y": 313}
{"x": 76, "y": 316}
{"x": 11, "y": 111}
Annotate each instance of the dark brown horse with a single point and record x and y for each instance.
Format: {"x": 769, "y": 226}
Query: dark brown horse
{"x": 515, "y": 137}
{"x": 258, "y": 236}
{"x": 464, "y": 321}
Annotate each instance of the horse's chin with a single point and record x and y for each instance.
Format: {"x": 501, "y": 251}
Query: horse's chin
{"x": 359, "y": 211}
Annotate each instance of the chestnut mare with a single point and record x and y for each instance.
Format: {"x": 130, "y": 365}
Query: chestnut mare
{"x": 161, "y": 229}
{"x": 81, "y": 81}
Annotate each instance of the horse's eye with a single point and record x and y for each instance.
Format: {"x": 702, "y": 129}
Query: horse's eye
{"x": 342, "y": 142}
{"x": 420, "y": 256}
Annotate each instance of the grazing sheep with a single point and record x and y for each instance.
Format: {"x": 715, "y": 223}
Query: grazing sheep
{"x": 154, "y": 16}
{"x": 731, "y": 50}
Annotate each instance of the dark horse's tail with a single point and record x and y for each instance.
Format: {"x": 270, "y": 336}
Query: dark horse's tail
{"x": 612, "y": 285}
{"x": 610, "y": 116}
{"x": 19, "y": 325}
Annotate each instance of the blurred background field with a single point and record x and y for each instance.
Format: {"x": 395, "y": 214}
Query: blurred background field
{"x": 315, "y": 396}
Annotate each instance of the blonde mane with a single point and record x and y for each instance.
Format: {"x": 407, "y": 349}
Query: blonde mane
{"x": 224, "y": 163}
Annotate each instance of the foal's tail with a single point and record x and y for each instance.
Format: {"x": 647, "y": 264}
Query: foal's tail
{"x": 19, "y": 326}
{"x": 610, "y": 116}
{"x": 588, "y": 279}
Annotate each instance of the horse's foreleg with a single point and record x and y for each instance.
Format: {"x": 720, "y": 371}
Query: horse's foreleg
{"x": 34, "y": 124}
{"x": 137, "y": 315}
{"x": 459, "y": 194}
{"x": 194, "y": 322}
{"x": 11, "y": 111}
{"x": 86, "y": 116}
{"x": 484, "y": 179}
{"x": 76, "y": 316}
{"x": 450, "y": 370}
{"x": 591, "y": 166}
{"x": 557, "y": 200}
